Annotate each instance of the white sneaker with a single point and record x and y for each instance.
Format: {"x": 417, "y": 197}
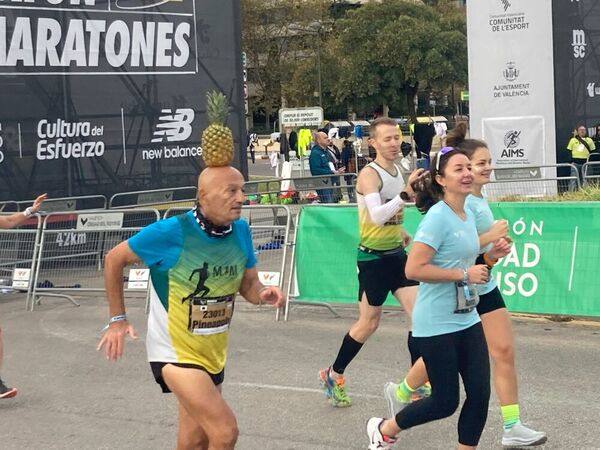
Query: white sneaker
{"x": 377, "y": 441}
{"x": 394, "y": 403}
{"x": 521, "y": 436}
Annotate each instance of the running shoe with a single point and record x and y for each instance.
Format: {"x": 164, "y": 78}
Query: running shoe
{"x": 378, "y": 441}
{"x": 421, "y": 393}
{"x": 521, "y": 436}
{"x": 394, "y": 401}
{"x": 334, "y": 389}
{"x": 7, "y": 392}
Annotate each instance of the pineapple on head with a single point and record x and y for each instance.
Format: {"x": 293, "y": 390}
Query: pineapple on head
{"x": 217, "y": 139}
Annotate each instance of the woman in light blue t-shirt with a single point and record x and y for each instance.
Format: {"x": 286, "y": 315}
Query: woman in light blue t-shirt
{"x": 446, "y": 326}
{"x": 495, "y": 318}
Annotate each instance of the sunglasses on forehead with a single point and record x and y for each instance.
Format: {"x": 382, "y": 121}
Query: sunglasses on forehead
{"x": 443, "y": 151}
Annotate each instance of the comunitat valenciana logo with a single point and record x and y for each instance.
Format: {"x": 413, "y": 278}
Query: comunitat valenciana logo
{"x": 61, "y": 139}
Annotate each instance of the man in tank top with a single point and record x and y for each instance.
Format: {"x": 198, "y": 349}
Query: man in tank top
{"x": 381, "y": 255}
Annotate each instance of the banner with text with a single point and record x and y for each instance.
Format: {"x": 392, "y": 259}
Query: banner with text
{"x": 511, "y": 93}
{"x": 105, "y": 96}
{"x": 551, "y": 269}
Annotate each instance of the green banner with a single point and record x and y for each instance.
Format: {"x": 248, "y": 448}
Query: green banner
{"x": 552, "y": 269}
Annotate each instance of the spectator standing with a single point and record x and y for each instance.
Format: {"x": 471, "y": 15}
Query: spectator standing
{"x": 348, "y": 158}
{"x": 252, "y": 141}
{"x": 596, "y": 137}
{"x": 580, "y": 147}
{"x": 320, "y": 163}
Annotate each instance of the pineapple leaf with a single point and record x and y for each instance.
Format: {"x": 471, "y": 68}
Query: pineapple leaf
{"x": 217, "y": 107}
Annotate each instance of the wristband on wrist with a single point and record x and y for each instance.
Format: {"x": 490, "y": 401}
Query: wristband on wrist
{"x": 119, "y": 318}
{"x": 28, "y": 211}
{"x": 264, "y": 288}
{"x": 490, "y": 262}
{"x": 113, "y": 319}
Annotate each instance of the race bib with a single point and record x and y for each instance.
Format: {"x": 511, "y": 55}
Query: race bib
{"x": 210, "y": 315}
{"x": 467, "y": 298}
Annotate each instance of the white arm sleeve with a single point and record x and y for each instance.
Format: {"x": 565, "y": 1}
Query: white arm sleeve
{"x": 379, "y": 213}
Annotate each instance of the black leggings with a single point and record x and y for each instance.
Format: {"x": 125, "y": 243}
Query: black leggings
{"x": 446, "y": 356}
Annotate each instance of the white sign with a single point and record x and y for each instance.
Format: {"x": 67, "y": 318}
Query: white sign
{"x": 301, "y": 117}
{"x": 21, "y": 278}
{"x": 511, "y": 93}
{"x": 59, "y": 205}
{"x": 138, "y": 278}
{"x": 515, "y": 141}
{"x": 269, "y": 278}
{"x": 148, "y": 198}
{"x": 99, "y": 37}
{"x": 103, "y": 221}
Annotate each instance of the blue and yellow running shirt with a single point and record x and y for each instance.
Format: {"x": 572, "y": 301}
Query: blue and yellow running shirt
{"x": 194, "y": 281}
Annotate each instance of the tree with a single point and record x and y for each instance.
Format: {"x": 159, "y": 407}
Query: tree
{"x": 276, "y": 34}
{"x": 389, "y": 50}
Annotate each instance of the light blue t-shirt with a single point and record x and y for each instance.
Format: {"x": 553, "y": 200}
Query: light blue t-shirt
{"x": 483, "y": 220}
{"x": 456, "y": 245}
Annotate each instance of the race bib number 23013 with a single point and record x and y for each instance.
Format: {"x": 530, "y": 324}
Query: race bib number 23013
{"x": 210, "y": 315}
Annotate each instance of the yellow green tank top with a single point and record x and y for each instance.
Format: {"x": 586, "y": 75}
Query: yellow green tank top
{"x": 389, "y": 235}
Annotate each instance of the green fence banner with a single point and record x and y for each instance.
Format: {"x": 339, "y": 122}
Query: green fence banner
{"x": 553, "y": 268}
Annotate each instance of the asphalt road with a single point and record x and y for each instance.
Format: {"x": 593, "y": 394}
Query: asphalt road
{"x": 72, "y": 398}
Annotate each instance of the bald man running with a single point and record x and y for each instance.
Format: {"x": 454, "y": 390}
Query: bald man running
{"x": 188, "y": 333}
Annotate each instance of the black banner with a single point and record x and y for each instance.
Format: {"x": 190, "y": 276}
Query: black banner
{"x": 576, "y": 68}
{"x": 106, "y": 96}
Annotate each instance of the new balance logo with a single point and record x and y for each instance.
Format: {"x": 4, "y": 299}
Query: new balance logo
{"x": 174, "y": 126}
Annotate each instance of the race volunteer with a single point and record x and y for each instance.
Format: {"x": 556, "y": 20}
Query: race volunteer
{"x": 198, "y": 262}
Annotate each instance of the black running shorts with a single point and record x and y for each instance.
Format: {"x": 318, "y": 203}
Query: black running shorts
{"x": 157, "y": 372}
{"x": 490, "y": 302}
{"x": 378, "y": 277}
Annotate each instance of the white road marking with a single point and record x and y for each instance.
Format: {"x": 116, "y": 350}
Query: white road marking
{"x": 278, "y": 387}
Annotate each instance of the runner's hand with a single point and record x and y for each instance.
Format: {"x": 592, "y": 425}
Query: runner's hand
{"x": 498, "y": 230}
{"x": 272, "y": 295}
{"x": 478, "y": 274}
{"x": 500, "y": 249}
{"x": 414, "y": 176}
{"x": 38, "y": 202}
{"x": 114, "y": 339}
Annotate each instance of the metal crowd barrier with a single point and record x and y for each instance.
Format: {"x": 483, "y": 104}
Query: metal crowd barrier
{"x": 83, "y": 202}
{"x": 18, "y": 251}
{"x": 513, "y": 184}
{"x": 72, "y": 249}
{"x": 295, "y": 192}
{"x": 271, "y": 241}
{"x": 9, "y": 206}
{"x": 591, "y": 173}
{"x": 158, "y": 198}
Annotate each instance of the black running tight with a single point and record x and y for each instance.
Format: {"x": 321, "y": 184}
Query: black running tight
{"x": 446, "y": 356}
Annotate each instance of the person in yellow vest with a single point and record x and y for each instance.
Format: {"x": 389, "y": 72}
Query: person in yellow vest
{"x": 580, "y": 147}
